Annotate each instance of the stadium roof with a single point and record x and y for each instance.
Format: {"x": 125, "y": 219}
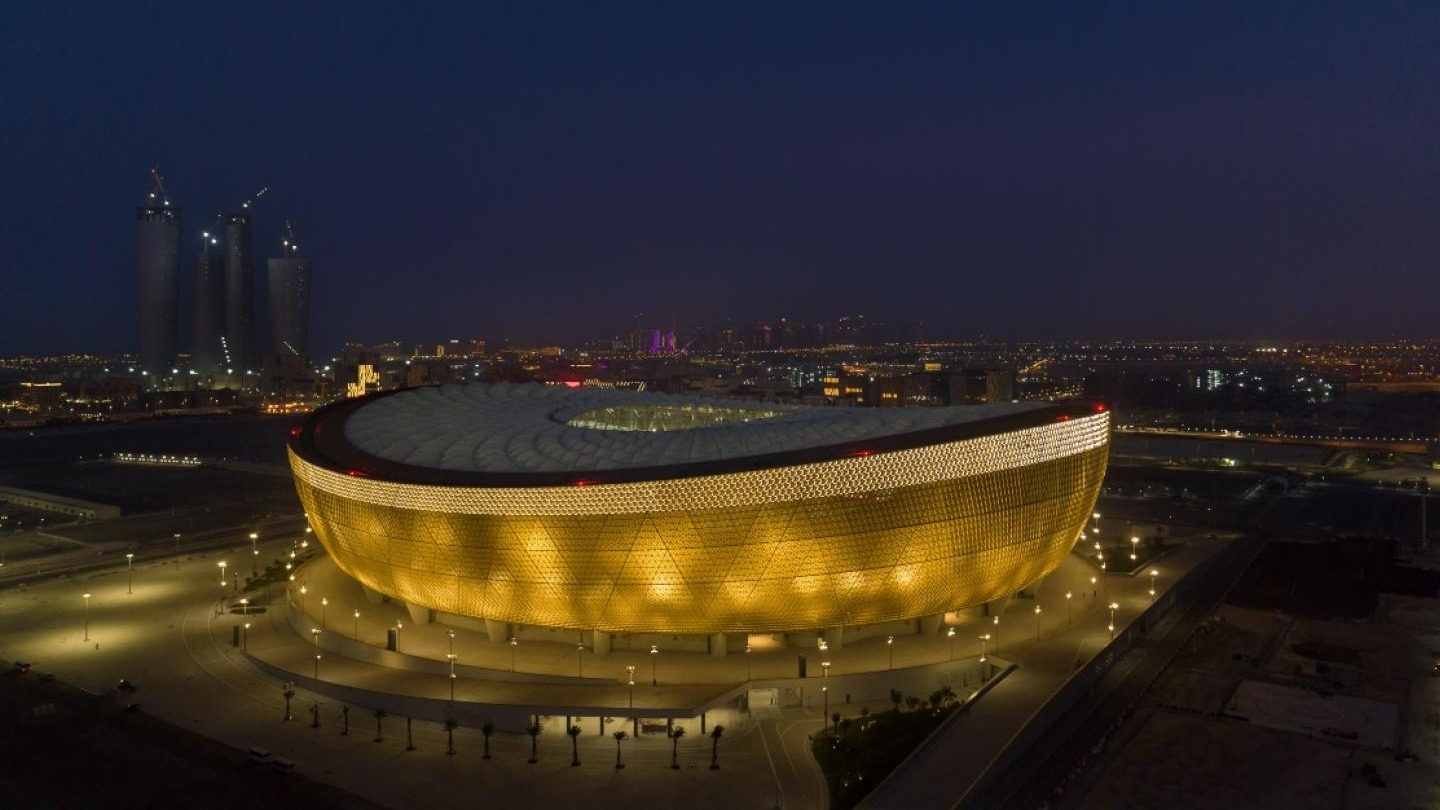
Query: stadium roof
{"x": 527, "y": 429}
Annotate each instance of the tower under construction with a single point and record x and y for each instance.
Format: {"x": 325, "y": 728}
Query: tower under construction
{"x": 157, "y": 239}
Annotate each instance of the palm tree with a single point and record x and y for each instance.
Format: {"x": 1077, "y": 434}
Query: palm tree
{"x": 574, "y": 732}
{"x": 948, "y": 695}
{"x": 487, "y": 729}
{"x": 534, "y": 730}
{"x": 835, "y": 721}
{"x": 675, "y": 747}
{"x": 619, "y": 738}
{"x": 450, "y": 725}
{"x": 715, "y": 747}
{"x": 895, "y": 697}
{"x": 380, "y": 715}
{"x": 912, "y": 703}
{"x": 289, "y": 693}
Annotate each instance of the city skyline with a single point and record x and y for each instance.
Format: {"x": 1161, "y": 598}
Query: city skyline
{"x": 541, "y": 174}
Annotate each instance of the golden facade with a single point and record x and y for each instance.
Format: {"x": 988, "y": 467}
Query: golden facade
{"x": 849, "y": 541}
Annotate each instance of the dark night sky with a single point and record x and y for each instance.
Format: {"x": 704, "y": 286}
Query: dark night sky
{"x": 542, "y": 171}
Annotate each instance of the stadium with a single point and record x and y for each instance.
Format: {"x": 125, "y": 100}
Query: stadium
{"x": 617, "y": 512}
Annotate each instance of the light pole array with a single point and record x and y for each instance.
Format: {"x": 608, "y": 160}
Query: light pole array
{"x": 130, "y": 572}
{"x": 87, "y": 616}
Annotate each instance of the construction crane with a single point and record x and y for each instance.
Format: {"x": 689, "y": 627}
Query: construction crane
{"x": 290, "y": 247}
{"x": 157, "y": 187}
{"x": 257, "y": 195}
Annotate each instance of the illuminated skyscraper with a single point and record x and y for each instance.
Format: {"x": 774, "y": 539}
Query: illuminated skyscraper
{"x": 207, "y": 349}
{"x": 290, "y": 300}
{"x": 157, "y": 240}
{"x": 239, "y": 291}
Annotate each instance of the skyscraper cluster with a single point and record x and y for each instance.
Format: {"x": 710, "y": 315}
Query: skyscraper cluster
{"x": 223, "y": 335}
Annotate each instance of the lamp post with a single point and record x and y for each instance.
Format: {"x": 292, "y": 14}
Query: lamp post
{"x": 451, "y": 657}
{"x": 996, "y": 649}
{"x": 177, "y": 551}
{"x": 87, "y": 616}
{"x": 1154, "y": 572}
{"x": 315, "y": 634}
{"x": 825, "y": 690}
{"x": 1093, "y": 582}
{"x": 244, "y": 607}
{"x": 222, "y": 565}
{"x": 1037, "y": 622}
{"x": 514, "y": 642}
{"x": 951, "y": 635}
{"x": 983, "y": 639}
{"x": 634, "y": 720}
{"x": 1113, "y": 607}
{"x": 245, "y": 638}
{"x": 357, "y": 624}
{"x": 654, "y": 655}
{"x": 890, "y": 645}
{"x": 1134, "y": 548}
{"x": 1068, "y": 612}
{"x": 254, "y": 552}
{"x": 399, "y": 625}
{"x": 303, "y": 591}
{"x": 747, "y": 662}
{"x": 323, "y": 603}
{"x": 580, "y": 660}
{"x": 130, "y": 573}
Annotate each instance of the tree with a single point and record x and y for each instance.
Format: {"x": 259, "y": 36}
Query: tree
{"x": 715, "y": 747}
{"x": 534, "y": 730}
{"x": 450, "y": 725}
{"x": 574, "y": 732}
{"x": 380, "y": 715}
{"x": 619, "y": 738}
{"x": 675, "y": 746}
{"x": 936, "y": 698}
{"x": 835, "y": 720}
{"x": 912, "y": 703}
{"x": 896, "y": 696}
{"x": 948, "y": 695}
{"x": 289, "y": 693}
{"x": 487, "y": 729}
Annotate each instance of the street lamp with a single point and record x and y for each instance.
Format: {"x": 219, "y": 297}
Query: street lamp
{"x": 303, "y": 591}
{"x": 315, "y": 634}
{"x": 580, "y": 660}
{"x": 634, "y": 720}
{"x": 245, "y": 638}
{"x": 323, "y": 603}
{"x": 1093, "y": 582}
{"x": 514, "y": 642}
{"x": 1037, "y": 622}
{"x": 452, "y": 657}
{"x": 996, "y": 649}
{"x": 399, "y": 625}
{"x": 825, "y": 690}
{"x": 1068, "y": 612}
{"x": 1154, "y": 572}
{"x": 654, "y": 655}
{"x": 890, "y": 645}
{"x": 254, "y": 552}
{"x": 244, "y": 607}
{"x": 951, "y": 635}
{"x": 357, "y": 624}
{"x": 983, "y": 639}
{"x": 222, "y": 565}
{"x": 747, "y": 662}
{"x": 177, "y": 551}
{"x": 1134, "y": 548}
{"x": 1114, "y": 606}
{"x": 130, "y": 572}
{"x": 87, "y": 617}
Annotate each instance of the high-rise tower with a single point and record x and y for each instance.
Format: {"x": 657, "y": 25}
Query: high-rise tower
{"x": 239, "y": 291}
{"x": 208, "y": 350}
{"x": 289, "y": 279}
{"x": 157, "y": 240}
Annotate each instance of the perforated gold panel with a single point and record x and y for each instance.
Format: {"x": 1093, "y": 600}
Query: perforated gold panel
{"x": 851, "y": 541}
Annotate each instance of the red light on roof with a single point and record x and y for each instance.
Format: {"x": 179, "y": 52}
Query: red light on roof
{"x": 358, "y": 473}
{"x": 296, "y": 431}
{"x": 582, "y": 482}
{"x": 573, "y": 383}
{"x": 864, "y": 453}
{"x": 1099, "y": 407}
{"x": 1064, "y": 417}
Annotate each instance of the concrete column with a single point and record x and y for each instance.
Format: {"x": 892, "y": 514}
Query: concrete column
{"x": 372, "y": 596}
{"x": 601, "y": 644}
{"x": 717, "y": 645}
{"x": 834, "y": 636}
{"x": 498, "y": 632}
{"x": 418, "y": 614}
{"x": 930, "y": 625}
